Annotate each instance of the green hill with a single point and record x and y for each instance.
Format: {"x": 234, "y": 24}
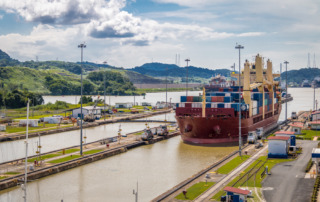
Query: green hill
{"x": 162, "y": 70}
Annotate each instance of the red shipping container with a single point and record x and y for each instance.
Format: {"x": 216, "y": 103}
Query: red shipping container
{"x": 188, "y": 105}
{"x": 214, "y": 99}
{"x": 189, "y": 98}
{"x": 220, "y": 99}
{"x": 230, "y": 90}
{"x": 220, "y": 89}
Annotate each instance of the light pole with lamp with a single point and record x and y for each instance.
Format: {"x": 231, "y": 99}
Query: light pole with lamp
{"x": 187, "y": 60}
{"x": 104, "y": 92}
{"x": 240, "y": 140}
{"x": 82, "y": 46}
{"x": 286, "y": 62}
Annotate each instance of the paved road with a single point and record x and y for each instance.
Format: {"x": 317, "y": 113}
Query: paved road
{"x": 287, "y": 182}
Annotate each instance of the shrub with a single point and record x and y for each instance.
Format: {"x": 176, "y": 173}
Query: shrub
{"x": 309, "y": 165}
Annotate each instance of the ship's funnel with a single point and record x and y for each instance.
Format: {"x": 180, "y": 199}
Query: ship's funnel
{"x": 259, "y": 69}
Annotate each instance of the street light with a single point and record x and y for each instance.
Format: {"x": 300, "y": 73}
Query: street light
{"x": 82, "y": 46}
{"x": 104, "y": 92}
{"x": 187, "y": 60}
{"x": 240, "y": 141}
{"x": 286, "y": 62}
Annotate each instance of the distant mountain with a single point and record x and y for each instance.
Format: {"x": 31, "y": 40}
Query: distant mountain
{"x": 298, "y": 76}
{"x": 162, "y": 70}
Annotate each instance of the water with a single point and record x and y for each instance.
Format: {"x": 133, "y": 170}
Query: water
{"x": 153, "y": 98}
{"x": 156, "y": 167}
{"x": 16, "y": 149}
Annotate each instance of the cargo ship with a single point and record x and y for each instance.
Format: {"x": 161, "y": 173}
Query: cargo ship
{"x": 212, "y": 118}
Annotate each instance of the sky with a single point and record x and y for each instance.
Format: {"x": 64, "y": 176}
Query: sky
{"x": 129, "y": 33}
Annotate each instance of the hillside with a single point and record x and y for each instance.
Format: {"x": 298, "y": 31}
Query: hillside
{"x": 162, "y": 70}
{"x": 297, "y": 76}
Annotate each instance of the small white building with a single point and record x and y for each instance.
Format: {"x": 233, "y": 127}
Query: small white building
{"x": 278, "y": 146}
{"x": 236, "y": 194}
{"x": 315, "y": 116}
{"x": 89, "y": 110}
{"x": 2, "y": 127}
{"x": 314, "y": 125}
{"x": 31, "y": 122}
{"x": 296, "y": 127}
{"x": 124, "y": 105}
{"x": 316, "y": 158}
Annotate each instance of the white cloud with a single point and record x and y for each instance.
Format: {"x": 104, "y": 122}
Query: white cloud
{"x": 1, "y": 16}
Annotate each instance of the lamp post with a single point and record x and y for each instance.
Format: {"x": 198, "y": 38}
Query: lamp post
{"x": 286, "y": 62}
{"x": 166, "y": 88}
{"x": 240, "y": 141}
{"x": 104, "y": 92}
{"x": 187, "y": 60}
{"x": 82, "y": 46}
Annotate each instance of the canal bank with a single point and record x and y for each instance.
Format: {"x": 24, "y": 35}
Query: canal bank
{"x": 53, "y": 169}
{"x": 18, "y": 136}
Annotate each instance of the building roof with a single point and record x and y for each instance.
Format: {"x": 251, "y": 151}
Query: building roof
{"x": 236, "y": 190}
{"x": 314, "y": 122}
{"x": 284, "y": 132}
{"x": 278, "y": 138}
{"x": 296, "y": 124}
{"x": 316, "y": 112}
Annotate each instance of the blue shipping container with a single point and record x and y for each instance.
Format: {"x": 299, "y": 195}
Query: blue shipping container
{"x": 220, "y": 105}
{"x": 227, "y": 99}
{"x": 183, "y": 98}
{"x": 220, "y": 94}
{"x": 208, "y": 99}
{"x": 208, "y": 105}
{"x": 235, "y": 106}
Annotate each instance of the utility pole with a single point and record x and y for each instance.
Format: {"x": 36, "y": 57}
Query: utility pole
{"x": 187, "y": 60}
{"x": 286, "y": 62}
{"x": 104, "y": 92}
{"x": 240, "y": 140}
{"x": 26, "y": 157}
{"x": 82, "y": 46}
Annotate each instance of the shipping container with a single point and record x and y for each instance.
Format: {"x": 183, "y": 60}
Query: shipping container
{"x": 220, "y": 105}
{"x": 220, "y": 94}
{"x": 227, "y": 99}
{"x": 227, "y": 94}
{"x": 254, "y": 103}
{"x": 189, "y": 98}
{"x": 254, "y": 111}
{"x": 235, "y": 106}
{"x": 183, "y": 99}
{"x": 265, "y": 101}
{"x": 227, "y": 105}
{"x": 208, "y": 105}
{"x": 196, "y": 105}
{"x": 182, "y": 105}
{"x": 214, "y": 105}
{"x": 208, "y": 99}
{"x": 188, "y": 105}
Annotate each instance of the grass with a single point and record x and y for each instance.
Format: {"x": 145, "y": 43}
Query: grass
{"x": 12, "y": 173}
{"x": 68, "y": 158}
{"x": 309, "y": 134}
{"x": 228, "y": 167}
{"x": 68, "y": 151}
{"x": 48, "y": 126}
{"x": 139, "y": 133}
{"x": 195, "y": 190}
{"x": 3, "y": 177}
{"x": 92, "y": 151}
{"x": 251, "y": 182}
{"x": 43, "y": 157}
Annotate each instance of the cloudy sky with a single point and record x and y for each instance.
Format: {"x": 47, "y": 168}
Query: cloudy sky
{"x": 129, "y": 33}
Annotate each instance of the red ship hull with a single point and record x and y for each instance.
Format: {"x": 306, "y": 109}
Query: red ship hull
{"x": 213, "y": 131}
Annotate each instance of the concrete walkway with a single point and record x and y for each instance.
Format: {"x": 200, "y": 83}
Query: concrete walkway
{"x": 205, "y": 196}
